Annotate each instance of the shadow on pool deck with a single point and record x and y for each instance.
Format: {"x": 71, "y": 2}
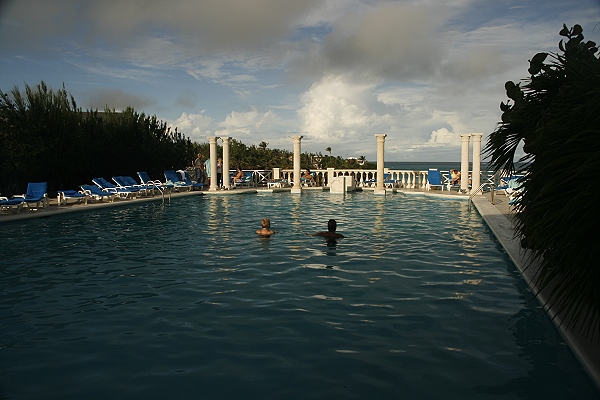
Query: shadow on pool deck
{"x": 498, "y": 216}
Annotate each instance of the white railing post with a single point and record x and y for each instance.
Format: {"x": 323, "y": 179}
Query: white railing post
{"x": 330, "y": 176}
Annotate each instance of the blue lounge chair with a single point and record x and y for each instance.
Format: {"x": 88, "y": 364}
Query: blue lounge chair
{"x": 11, "y": 204}
{"x": 36, "y": 193}
{"x": 434, "y": 179}
{"x": 387, "y": 182}
{"x": 151, "y": 183}
{"x": 172, "y": 178}
{"x": 65, "y": 195}
{"x": 509, "y": 184}
{"x": 127, "y": 182}
{"x": 109, "y": 187}
{"x": 188, "y": 180}
{"x": 309, "y": 182}
{"x": 246, "y": 181}
{"x": 97, "y": 194}
{"x": 369, "y": 182}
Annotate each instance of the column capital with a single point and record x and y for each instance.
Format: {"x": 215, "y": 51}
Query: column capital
{"x": 380, "y": 136}
{"x": 297, "y": 138}
{"x": 225, "y": 139}
{"x": 212, "y": 139}
{"x": 465, "y": 137}
{"x": 477, "y": 137}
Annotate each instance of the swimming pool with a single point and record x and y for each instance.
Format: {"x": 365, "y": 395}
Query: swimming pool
{"x": 184, "y": 301}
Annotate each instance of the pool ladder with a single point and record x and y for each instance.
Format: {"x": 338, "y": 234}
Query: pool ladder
{"x": 480, "y": 189}
{"x": 162, "y": 192}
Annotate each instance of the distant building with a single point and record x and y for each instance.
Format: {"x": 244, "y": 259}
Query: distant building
{"x": 359, "y": 161}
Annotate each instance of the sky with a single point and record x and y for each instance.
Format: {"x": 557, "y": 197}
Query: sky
{"x": 334, "y": 71}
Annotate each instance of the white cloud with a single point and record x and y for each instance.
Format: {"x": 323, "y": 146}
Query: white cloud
{"x": 245, "y": 123}
{"x": 444, "y": 136}
{"x": 335, "y": 109}
{"x": 195, "y": 126}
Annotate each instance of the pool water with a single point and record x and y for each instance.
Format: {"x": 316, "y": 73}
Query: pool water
{"x": 183, "y": 300}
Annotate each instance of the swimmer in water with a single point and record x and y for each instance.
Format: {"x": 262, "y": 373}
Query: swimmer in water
{"x": 266, "y": 230}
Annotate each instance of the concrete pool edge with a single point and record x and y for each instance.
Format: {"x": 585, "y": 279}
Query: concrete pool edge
{"x": 586, "y": 350}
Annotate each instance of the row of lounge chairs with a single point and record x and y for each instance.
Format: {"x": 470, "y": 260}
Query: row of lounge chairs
{"x": 124, "y": 187}
{"x": 509, "y": 185}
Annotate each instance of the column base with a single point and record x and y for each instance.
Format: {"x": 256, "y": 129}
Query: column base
{"x": 296, "y": 191}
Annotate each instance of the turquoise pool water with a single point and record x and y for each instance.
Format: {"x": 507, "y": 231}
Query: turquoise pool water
{"x": 184, "y": 301}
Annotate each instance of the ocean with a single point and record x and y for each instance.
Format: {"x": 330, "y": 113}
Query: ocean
{"x": 425, "y": 165}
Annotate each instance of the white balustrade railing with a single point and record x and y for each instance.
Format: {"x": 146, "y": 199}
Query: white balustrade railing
{"x": 366, "y": 177}
{"x": 363, "y": 177}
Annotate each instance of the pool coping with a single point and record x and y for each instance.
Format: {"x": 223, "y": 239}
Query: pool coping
{"x": 500, "y": 223}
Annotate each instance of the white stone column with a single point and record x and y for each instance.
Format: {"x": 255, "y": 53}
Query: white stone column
{"x": 226, "y": 180}
{"x": 464, "y": 162}
{"x": 212, "y": 142}
{"x": 276, "y": 173}
{"x": 380, "y": 188}
{"x": 297, "y": 183}
{"x": 476, "y": 178}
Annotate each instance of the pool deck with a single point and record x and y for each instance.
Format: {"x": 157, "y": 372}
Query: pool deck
{"x": 498, "y": 216}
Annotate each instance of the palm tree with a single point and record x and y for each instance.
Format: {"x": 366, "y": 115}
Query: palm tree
{"x": 555, "y": 114}
{"x": 328, "y": 150}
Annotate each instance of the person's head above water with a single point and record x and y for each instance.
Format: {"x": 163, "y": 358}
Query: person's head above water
{"x": 265, "y": 223}
{"x": 331, "y": 225}
{"x": 265, "y": 230}
{"x": 330, "y": 233}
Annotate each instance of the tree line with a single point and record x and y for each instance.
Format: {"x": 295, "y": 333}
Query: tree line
{"x": 46, "y": 137}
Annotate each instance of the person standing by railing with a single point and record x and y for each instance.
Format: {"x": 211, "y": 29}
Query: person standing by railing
{"x": 219, "y": 172}
{"x": 199, "y": 169}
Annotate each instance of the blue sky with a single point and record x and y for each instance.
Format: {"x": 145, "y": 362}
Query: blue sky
{"x": 334, "y": 71}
